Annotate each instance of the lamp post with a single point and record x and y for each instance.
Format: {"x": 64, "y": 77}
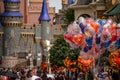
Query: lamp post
{"x": 48, "y": 56}
{"x": 39, "y": 55}
{"x": 29, "y": 58}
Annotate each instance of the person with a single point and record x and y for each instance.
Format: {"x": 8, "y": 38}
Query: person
{"x": 106, "y": 76}
{"x": 32, "y": 76}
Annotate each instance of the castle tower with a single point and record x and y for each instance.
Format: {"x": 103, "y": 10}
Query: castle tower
{"x": 46, "y": 29}
{"x": 45, "y": 24}
{"x": 12, "y": 21}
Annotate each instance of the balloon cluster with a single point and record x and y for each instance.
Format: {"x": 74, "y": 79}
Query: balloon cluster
{"x": 93, "y": 36}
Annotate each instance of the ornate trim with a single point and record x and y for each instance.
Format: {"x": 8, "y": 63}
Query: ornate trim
{"x": 27, "y": 34}
{"x": 12, "y": 23}
{"x": 37, "y": 39}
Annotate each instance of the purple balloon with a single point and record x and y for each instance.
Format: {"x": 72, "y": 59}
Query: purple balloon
{"x": 82, "y": 26}
{"x": 97, "y": 40}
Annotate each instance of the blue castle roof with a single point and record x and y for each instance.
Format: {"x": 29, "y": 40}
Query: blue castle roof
{"x": 44, "y": 13}
{"x": 11, "y": 0}
{"x": 70, "y": 2}
{"x": 11, "y": 13}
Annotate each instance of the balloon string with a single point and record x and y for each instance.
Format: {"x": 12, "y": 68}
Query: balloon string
{"x": 98, "y": 61}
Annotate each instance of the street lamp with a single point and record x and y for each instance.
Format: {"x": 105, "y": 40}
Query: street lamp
{"x": 29, "y": 60}
{"x": 38, "y": 59}
{"x": 48, "y": 56}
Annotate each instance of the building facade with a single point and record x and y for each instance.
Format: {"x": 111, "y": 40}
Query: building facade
{"x": 91, "y": 8}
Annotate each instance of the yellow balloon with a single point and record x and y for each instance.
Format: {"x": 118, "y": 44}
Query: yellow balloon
{"x": 87, "y": 34}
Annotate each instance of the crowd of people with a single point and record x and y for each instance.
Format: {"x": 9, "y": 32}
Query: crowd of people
{"x": 29, "y": 74}
{"x": 38, "y": 74}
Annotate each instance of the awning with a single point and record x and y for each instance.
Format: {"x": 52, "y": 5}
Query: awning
{"x": 113, "y": 11}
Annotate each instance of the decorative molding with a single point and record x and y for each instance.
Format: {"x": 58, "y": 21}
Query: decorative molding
{"x": 37, "y": 39}
{"x": 43, "y": 43}
{"x": 27, "y": 34}
{"x": 12, "y": 23}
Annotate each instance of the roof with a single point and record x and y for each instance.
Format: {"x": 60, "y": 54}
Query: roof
{"x": 83, "y": 2}
{"x": 44, "y": 13}
{"x": 113, "y": 11}
{"x": 11, "y": 13}
{"x": 11, "y": 0}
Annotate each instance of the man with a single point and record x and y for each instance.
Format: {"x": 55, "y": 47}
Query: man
{"x": 33, "y": 76}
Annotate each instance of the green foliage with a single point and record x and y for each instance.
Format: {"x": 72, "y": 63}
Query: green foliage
{"x": 68, "y": 16}
{"x": 60, "y": 50}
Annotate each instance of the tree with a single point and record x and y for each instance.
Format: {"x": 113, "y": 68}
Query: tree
{"x": 68, "y": 16}
{"x": 60, "y": 50}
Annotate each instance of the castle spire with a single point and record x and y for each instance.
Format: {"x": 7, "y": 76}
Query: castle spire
{"x": 44, "y": 12}
{"x": 70, "y": 2}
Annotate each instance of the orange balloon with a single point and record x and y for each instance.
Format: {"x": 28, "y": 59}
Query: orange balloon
{"x": 95, "y": 25}
{"x": 75, "y": 37}
{"x": 117, "y": 60}
{"x": 78, "y": 39}
{"x": 113, "y": 26}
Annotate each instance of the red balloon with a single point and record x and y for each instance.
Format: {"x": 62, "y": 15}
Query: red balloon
{"x": 114, "y": 35}
{"x": 68, "y": 37}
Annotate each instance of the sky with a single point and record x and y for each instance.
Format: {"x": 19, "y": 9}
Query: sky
{"x": 56, "y": 3}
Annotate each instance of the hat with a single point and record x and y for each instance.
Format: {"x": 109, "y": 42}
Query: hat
{"x": 105, "y": 73}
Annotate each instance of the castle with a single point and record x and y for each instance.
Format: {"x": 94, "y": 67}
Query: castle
{"x": 18, "y": 40}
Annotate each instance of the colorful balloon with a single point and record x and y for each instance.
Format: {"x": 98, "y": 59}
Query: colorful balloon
{"x": 97, "y": 39}
{"x": 89, "y": 41}
{"x": 86, "y": 49}
{"x": 82, "y": 26}
{"x": 106, "y": 44}
{"x": 82, "y": 20}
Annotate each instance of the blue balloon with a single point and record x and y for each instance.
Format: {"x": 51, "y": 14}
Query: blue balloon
{"x": 106, "y": 44}
{"x": 97, "y": 40}
{"x": 117, "y": 43}
{"x": 89, "y": 41}
{"x": 100, "y": 22}
{"x": 82, "y": 26}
